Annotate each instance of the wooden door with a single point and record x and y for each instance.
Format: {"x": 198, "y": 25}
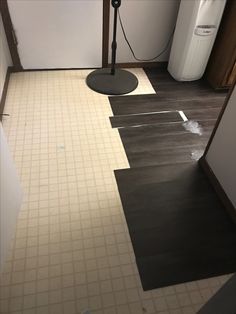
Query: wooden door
{"x": 58, "y": 34}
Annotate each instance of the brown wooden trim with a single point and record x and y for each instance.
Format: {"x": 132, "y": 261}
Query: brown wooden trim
{"x": 218, "y": 188}
{"x": 223, "y": 56}
{"x": 160, "y": 65}
{"x": 105, "y": 32}
{"x": 218, "y": 120}
{"x": 10, "y": 35}
{"x": 54, "y": 69}
{"x": 4, "y": 91}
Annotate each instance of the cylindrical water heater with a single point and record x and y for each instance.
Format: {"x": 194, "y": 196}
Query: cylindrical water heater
{"x": 197, "y": 25}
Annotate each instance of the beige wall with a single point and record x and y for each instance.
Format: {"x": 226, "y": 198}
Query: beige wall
{"x": 148, "y": 24}
{"x": 10, "y": 198}
{"x": 221, "y": 156}
{"x": 10, "y": 191}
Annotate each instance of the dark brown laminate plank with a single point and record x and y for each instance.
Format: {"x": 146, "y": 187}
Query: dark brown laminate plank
{"x": 144, "y": 119}
{"x": 164, "y": 129}
{"x": 180, "y": 154}
{"x": 164, "y": 143}
{"x": 151, "y": 103}
{"x": 202, "y": 114}
{"x": 164, "y": 84}
{"x": 178, "y": 227}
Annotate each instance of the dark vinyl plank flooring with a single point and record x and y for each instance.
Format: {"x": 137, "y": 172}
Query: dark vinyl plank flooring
{"x": 163, "y": 129}
{"x": 165, "y": 85}
{"x": 145, "y": 119}
{"x": 143, "y": 144}
{"x": 202, "y": 114}
{"x": 179, "y": 229}
{"x": 124, "y": 105}
{"x": 155, "y": 145}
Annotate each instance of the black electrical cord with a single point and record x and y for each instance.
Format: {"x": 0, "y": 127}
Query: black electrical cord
{"x": 131, "y": 49}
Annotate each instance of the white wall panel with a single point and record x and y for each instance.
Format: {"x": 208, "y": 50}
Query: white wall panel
{"x": 148, "y": 24}
{"x": 58, "y": 33}
{"x": 221, "y": 156}
{"x": 10, "y": 198}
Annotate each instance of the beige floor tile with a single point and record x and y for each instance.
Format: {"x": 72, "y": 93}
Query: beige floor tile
{"x": 72, "y": 251}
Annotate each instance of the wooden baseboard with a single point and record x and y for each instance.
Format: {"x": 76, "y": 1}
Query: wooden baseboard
{"x": 4, "y": 91}
{"x": 160, "y": 65}
{"x": 53, "y": 69}
{"x": 16, "y": 69}
{"x": 218, "y": 188}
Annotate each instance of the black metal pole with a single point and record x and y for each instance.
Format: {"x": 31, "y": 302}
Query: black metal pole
{"x": 115, "y": 4}
{"x": 112, "y": 81}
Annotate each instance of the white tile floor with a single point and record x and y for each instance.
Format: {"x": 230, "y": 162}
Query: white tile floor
{"x": 72, "y": 251}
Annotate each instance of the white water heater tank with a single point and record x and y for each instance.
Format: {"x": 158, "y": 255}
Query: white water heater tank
{"x": 197, "y": 25}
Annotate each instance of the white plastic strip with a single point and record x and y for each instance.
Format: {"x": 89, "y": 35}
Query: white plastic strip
{"x": 183, "y": 116}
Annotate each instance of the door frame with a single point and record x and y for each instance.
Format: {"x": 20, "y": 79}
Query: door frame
{"x": 105, "y": 33}
{"x": 10, "y": 35}
{"x": 12, "y": 39}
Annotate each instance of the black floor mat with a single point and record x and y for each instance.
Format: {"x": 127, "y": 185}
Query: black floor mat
{"x": 179, "y": 229}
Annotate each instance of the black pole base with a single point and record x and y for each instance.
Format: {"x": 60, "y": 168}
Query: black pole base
{"x": 103, "y": 82}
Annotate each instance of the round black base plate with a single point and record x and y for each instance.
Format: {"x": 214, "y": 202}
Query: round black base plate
{"x": 122, "y": 82}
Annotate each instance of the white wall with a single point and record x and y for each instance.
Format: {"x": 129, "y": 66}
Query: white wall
{"x": 221, "y": 156}
{"x": 148, "y": 25}
{"x": 10, "y": 198}
{"x": 10, "y": 192}
{"x": 58, "y": 34}
{"x": 5, "y": 58}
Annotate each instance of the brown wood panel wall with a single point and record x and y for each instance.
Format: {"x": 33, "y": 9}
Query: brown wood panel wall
{"x": 221, "y": 69}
